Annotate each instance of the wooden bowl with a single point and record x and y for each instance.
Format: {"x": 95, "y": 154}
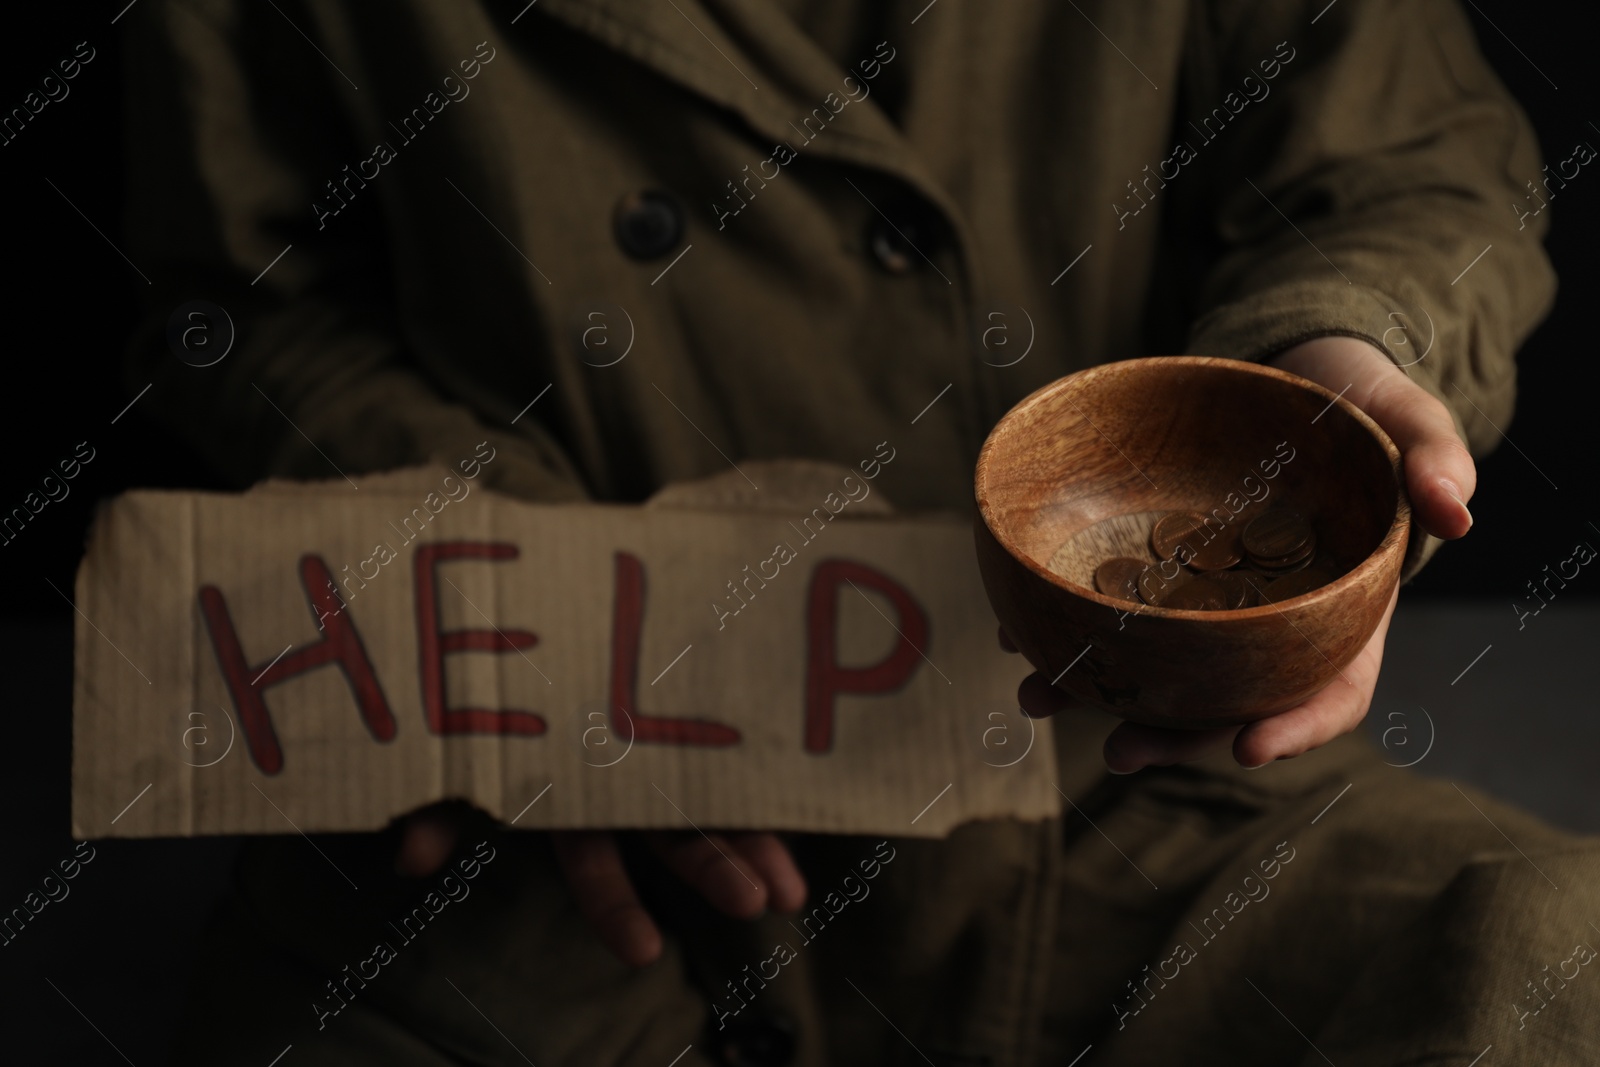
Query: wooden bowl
{"x": 1077, "y": 472}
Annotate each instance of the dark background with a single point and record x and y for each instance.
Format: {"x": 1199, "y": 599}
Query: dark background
{"x": 116, "y": 957}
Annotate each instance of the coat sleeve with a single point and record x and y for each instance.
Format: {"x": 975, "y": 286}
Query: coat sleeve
{"x": 1369, "y": 189}
{"x": 230, "y": 144}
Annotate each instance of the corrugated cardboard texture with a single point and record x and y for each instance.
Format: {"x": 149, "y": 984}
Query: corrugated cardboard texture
{"x": 907, "y": 725}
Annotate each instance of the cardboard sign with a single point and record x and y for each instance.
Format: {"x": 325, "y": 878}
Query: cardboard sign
{"x": 321, "y": 658}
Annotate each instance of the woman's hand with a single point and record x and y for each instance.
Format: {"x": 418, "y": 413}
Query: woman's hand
{"x": 1440, "y": 479}
{"x": 739, "y": 874}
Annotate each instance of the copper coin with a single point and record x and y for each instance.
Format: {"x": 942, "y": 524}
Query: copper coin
{"x": 1294, "y": 585}
{"x": 1300, "y": 556}
{"x": 1217, "y": 554}
{"x": 1172, "y": 530}
{"x": 1237, "y": 585}
{"x": 1155, "y": 586}
{"x": 1256, "y": 583}
{"x": 1119, "y": 577}
{"x": 1277, "y": 534}
{"x": 1305, "y": 548}
{"x": 1201, "y": 594}
{"x": 1279, "y": 569}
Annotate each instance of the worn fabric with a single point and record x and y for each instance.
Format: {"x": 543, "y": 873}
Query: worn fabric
{"x": 456, "y": 283}
{"x": 1202, "y": 915}
{"x": 843, "y": 30}
{"x": 412, "y": 212}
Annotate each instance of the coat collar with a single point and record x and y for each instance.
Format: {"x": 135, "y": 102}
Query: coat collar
{"x": 749, "y": 57}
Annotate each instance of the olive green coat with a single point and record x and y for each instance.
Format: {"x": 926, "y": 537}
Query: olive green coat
{"x": 414, "y": 212}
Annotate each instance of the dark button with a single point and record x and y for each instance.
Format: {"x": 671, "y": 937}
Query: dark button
{"x": 758, "y": 1041}
{"x": 648, "y": 224}
{"x": 905, "y": 235}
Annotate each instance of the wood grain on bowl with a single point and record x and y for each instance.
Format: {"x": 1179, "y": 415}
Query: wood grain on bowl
{"x": 1078, "y": 472}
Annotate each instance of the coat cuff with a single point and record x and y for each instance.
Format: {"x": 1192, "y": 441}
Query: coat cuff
{"x": 1266, "y": 323}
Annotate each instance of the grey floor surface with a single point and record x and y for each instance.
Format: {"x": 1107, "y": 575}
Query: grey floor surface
{"x": 1512, "y": 709}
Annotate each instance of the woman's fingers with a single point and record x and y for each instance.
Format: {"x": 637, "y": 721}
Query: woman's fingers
{"x": 1440, "y": 474}
{"x": 738, "y": 874}
{"x": 1132, "y": 746}
{"x": 592, "y": 865}
{"x": 786, "y": 886}
{"x": 1330, "y": 713}
{"x": 1038, "y": 698}
{"x": 716, "y": 869}
{"x": 426, "y": 841}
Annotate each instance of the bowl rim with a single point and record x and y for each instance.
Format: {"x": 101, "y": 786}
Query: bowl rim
{"x": 1376, "y": 560}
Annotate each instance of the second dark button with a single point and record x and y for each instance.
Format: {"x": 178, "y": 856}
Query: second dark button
{"x": 903, "y": 233}
{"x": 648, "y": 224}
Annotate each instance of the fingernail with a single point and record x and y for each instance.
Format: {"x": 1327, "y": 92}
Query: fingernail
{"x": 1109, "y": 753}
{"x": 1455, "y": 494}
{"x": 1254, "y": 766}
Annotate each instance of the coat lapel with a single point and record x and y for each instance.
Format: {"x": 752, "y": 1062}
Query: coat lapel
{"x": 747, "y": 56}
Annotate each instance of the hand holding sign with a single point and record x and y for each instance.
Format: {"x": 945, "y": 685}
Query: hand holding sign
{"x": 740, "y": 874}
